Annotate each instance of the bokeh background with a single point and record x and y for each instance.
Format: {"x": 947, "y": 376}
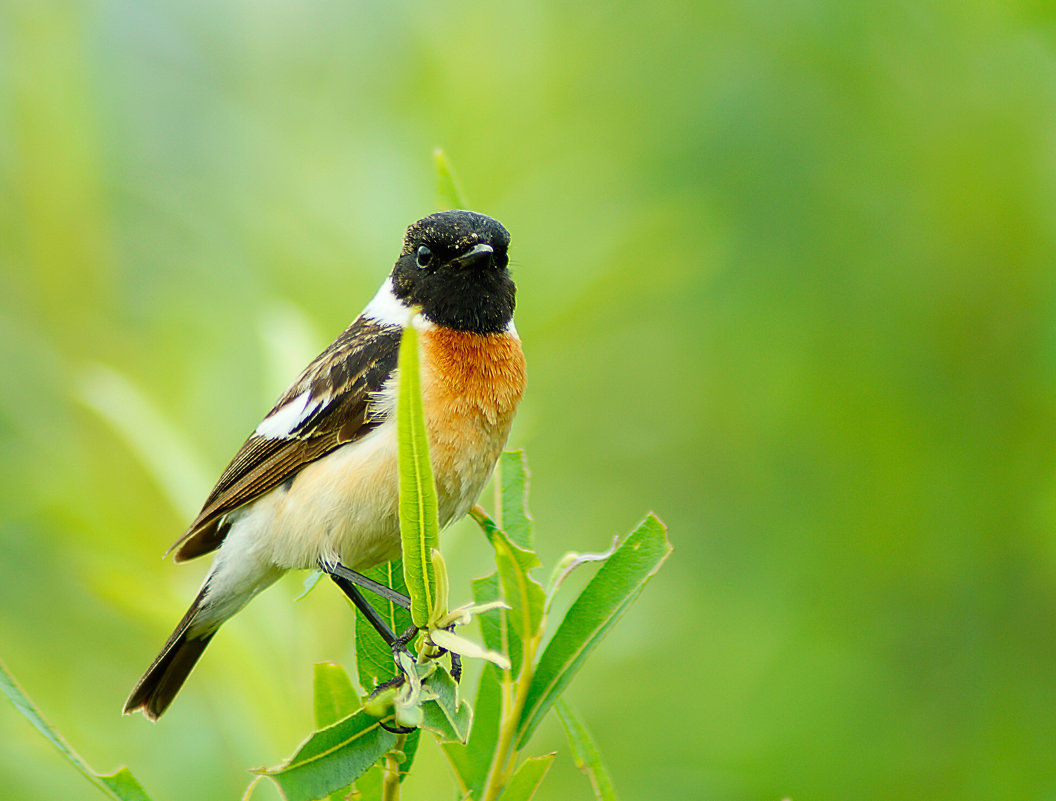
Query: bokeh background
{"x": 786, "y": 277}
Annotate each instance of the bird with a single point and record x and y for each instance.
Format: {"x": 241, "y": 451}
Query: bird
{"x": 315, "y": 484}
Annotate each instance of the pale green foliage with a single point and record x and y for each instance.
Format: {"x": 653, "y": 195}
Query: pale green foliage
{"x": 121, "y": 785}
{"x": 585, "y": 752}
{"x": 484, "y": 749}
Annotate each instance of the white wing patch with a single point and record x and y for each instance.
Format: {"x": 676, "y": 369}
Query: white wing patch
{"x": 282, "y": 421}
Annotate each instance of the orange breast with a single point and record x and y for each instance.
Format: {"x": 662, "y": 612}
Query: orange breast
{"x": 471, "y": 385}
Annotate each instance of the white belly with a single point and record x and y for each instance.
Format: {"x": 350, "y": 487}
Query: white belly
{"x": 341, "y": 507}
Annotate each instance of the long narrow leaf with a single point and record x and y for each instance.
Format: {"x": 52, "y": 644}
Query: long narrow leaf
{"x": 600, "y": 604}
{"x": 472, "y": 760}
{"x": 569, "y": 563}
{"x": 333, "y": 694}
{"x": 523, "y": 593}
{"x": 513, "y": 483}
{"x": 447, "y": 715}
{"x": 332, "y": 758}
{"x": 495, "y": 626}
{"x": 526, "y": 780}
{"x": 334, "y": 698}
{"x": 585, "y": 753}
{"x": 419, "y": 521}
{"x": 121, "y": 785}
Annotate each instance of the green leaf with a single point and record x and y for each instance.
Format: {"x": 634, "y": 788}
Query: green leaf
{"x": 374, "y": 663}
{"x": 443, "y": 587}
{"x": 569, "y": 562}
{"x": 333, "y": 693}
{"x": 486, "y": 590}
{"x": 471, "y": 761}
{"x": 419, "y": 521}
{"x": 585, "y": 753}
{"x": 600, "y": 604}
{"x": 334, "y": 698}
{"x": 121, "y": 785}
{"x": 523, "y": 593}
{"x": 124, "y": 785}
{"x": 494, "y": 626}
{"x": 513, "y": 483}
{"x": 523, "y": 784}
{"x": 448, "y": 193}
{"x": 446, "y": 714}
{"x": 332, "y": 758}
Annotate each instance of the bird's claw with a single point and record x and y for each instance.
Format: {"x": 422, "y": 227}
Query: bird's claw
{"x": 394, "y": 683}
{"x": 399, "y": 647}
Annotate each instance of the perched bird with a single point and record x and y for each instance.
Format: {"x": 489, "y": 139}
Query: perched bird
{"x": 316, "y": 482}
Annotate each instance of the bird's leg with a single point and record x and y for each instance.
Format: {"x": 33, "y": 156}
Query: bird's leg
{"x": 337, "y": 570}
{"x": 348, "y": 579}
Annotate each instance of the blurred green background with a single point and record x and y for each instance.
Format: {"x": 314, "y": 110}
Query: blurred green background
{"x": 786, "y": 276}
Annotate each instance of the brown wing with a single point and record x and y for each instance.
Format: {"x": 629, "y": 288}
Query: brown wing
{"x": 327, "y": 406}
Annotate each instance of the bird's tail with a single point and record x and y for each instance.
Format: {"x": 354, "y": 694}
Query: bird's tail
{"x": 169, "y": 670}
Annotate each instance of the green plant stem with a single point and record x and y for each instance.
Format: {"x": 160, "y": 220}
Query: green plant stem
{"x": 390, "y": 784}
{"x": 505, "y": 756}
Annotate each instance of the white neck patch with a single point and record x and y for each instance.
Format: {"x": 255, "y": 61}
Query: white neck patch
{"x": 386, "y": 308}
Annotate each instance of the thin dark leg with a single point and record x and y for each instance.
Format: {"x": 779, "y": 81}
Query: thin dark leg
{"x": 349, "y": 581}
{"x": 377, "y": 588}
{"x": 366, "y": 608}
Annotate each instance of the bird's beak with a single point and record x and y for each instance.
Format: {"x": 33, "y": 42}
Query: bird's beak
{"x": 477, "y": 256}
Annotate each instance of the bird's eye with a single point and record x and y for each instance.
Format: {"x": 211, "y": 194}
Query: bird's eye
{"x": 425, "y": 256}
